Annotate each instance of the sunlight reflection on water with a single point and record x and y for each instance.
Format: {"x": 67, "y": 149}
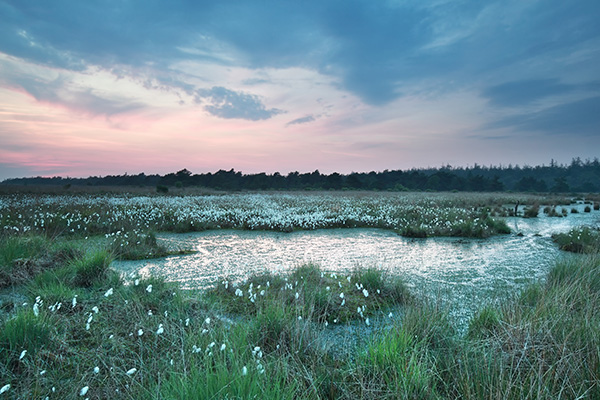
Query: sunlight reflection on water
{"x": 463, "y": 273}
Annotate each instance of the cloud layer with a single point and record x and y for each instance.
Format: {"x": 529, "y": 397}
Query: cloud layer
{"x": 404, "y": 73}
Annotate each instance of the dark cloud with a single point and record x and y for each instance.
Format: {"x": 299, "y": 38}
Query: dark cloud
{"x": 522, "y": 92}
{"x": 230, "y": 104}
{"x": 578, "y": 118}
{"x": 302, "y": 120}
{"x": 373, "y": 48}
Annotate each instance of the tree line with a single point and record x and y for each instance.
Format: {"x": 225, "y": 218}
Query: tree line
{"x": 578, "y": 176}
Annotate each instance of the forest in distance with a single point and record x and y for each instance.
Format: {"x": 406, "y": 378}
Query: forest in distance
{"x": 581, "y": 176}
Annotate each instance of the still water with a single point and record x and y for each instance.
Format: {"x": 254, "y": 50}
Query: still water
{"x": 461, "y": 273}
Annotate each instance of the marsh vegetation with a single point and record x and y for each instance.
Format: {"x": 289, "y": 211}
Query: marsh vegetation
{"x": 73, "y": 327}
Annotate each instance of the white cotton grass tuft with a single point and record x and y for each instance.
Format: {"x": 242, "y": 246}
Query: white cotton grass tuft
{"x": 74, "y": 301}
{"x": 140, "y": 332}
{"x": 96, "y": 370}
{"x": 22, "y": 354}
{"x": 84, "y": 390}
{"x": 132, "y": 371}
{"x": 5, "y": 388}
{"x": 149, "y": 288}
{"x": 244, "y": 370}
{"x": 160, "y": 329}
{"x": 109, "y": 292}
{"x": 95, "y": 309}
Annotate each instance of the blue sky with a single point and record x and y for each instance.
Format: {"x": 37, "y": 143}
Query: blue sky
{"x": 108, "y": 87}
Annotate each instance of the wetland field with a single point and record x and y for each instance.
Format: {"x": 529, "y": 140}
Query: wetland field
{"x": 299, "y": 295}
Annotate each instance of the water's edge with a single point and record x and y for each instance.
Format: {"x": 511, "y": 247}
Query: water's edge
{"x": 464, "y": 273}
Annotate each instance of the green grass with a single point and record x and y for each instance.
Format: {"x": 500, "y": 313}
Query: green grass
{"x": 148, "y": 339}
{"x": 128, "y": 220}
{"x": 139, "y": 246}
{"x": 579, "y": 240}
{"x": 395, "y": 365}
{"x": 314, "y": 295}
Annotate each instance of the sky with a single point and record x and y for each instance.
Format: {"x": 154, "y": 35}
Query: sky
{"x": 108, "y": 87}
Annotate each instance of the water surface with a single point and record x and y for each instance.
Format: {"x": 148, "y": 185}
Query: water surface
{"x": 463, "y": 273}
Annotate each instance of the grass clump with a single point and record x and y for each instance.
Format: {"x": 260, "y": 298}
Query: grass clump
{"x": 579, "y": 240}
{"x": 137, "y": 246}
{"x": 485, "y": 323}
{"x": 15, "y": 248}
{"x": 311, "y": 294}
{"x": 23, "y": 332}
{"x": 395, "y": 365}
{"x": 20, "y": 258}
{"x": 531, "y": 211}
{"x": 90, "y": 269}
